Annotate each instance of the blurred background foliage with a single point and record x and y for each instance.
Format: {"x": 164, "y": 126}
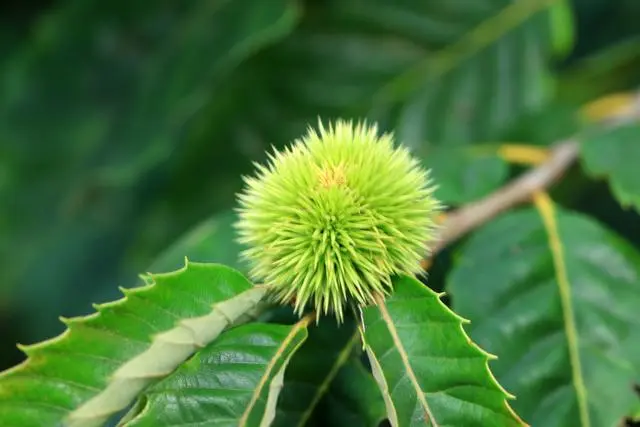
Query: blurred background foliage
{"x": 125, "y": 126}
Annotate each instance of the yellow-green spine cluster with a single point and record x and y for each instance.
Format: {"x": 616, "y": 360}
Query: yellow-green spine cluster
{"x": 328, "y": 220}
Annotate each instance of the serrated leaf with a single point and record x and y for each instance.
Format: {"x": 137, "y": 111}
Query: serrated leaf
{"x": 557, "y": 299}
{"x": 214, "y": 241}
{"x": 437, "y": 71}
{"x": 614, "y": 154}
{"x": 353, "y": 399}
{"x": 429, "y": 371}
{"x": 102, "y": 361}
{"x": 235, "y": 381}
{"x": 312, "y": 371}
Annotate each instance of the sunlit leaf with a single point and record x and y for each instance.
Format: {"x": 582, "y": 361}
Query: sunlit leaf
{"x": 100, "y": 364}
{"x": 429, "y": 371}
{"x": 235, "y": 381}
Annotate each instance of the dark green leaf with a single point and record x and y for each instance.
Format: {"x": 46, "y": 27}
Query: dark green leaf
{"x": 557, "y": 300}
{"x": 464, "y": 174}
{"x": 353, "y": 399}
{"x": 312, "y": 371}
{"x": 234, "y": 381}
{"x": 429, "y": 371}
{"x": 614, "y": 154}
{"x": 437, "y": 71}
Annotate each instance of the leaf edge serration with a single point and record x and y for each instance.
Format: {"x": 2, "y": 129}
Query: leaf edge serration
{"x": 383, "y": 315}
{"x": 165, "y": 349}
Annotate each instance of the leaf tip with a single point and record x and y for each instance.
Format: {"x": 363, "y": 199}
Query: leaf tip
{"x": 489, "y": 356}
{"x": 25, "y": 348}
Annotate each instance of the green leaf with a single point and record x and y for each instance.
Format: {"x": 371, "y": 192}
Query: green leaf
{"x": 463, "y": 174}
{"x": 556, "y": 296}
{"x": 353, "y": 399}
{"x": 235, "y": 381}
{"x": 102, "y": 361}
{"x": 437, "y": 71}
{"x": 313, "y": 369}
{"x": 614, "y": 154}
{"x": 429, "y": 371}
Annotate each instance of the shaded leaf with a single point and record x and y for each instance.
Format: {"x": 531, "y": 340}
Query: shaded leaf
{"x": 438, "y": 71}
{"x": 464, "y": 175}
{"x": 613, "y": 154}
{"x": 429, "y": 371}
{"x": 557, "y": 299}
{"x": 313, "y": 369}
{"x": 353, "y": 399}
{"x": 100, "y": 364}
{"x": 235, "y": 381}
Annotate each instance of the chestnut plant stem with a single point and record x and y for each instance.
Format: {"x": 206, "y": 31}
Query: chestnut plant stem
{"x": 562, "y": 156}
{"x": 473, "y": 215}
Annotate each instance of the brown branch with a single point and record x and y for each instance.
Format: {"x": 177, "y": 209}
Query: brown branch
{"x": 563, "y": 154}
{"x": 473, "y": 215}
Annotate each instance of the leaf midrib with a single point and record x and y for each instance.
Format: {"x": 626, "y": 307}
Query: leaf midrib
{"x": 478, "y": 38}
{"x": 405, "y": 360}
{"x": 545, "y": 207}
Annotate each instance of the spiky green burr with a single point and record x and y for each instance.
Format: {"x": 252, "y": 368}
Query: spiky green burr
{"x": 330, "y": 219}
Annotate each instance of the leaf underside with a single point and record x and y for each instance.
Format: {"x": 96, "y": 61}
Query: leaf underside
{"x": 235, "y": 381}
{"x": 98, "y": 366}
{"x": 429, "y": 372}
{"x": 520, "y": 315}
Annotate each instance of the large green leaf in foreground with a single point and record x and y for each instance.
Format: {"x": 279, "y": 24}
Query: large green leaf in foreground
{"x": 235, "y": 381}
{"x": 429, "y": 371}
{"x": 613, "y": 153}
{"x": 557, "y": 299}
{"x": 103, "y": 361}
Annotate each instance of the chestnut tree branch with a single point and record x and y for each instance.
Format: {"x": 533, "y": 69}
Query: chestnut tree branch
{"x": 473, "y": 215}
{"x": 562, "y": 155}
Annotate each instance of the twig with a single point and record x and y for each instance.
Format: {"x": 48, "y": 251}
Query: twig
{"x": 517, "y": 191}
{"x": 562, "y": 155}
